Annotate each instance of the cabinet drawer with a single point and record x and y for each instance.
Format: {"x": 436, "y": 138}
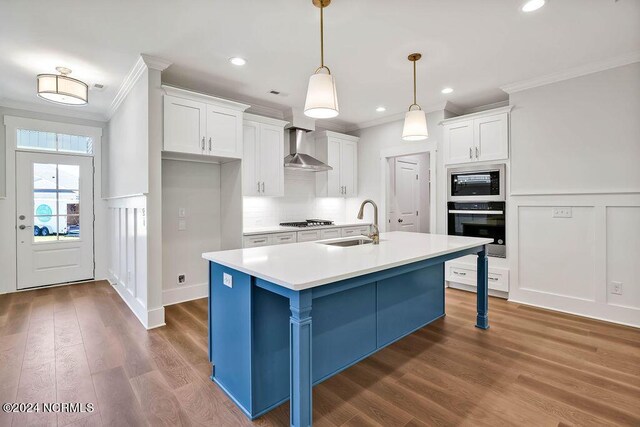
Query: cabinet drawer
{"x": 355, "y": 231}
{"x": 308, "y": 236}
{"x": 498, "y": 277}
{"x": 330, "y": 234}
{"x": 283, "y": 238}
{"x": 256, "y": 240}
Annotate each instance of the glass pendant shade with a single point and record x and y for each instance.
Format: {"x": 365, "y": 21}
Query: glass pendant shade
{"x": 415, "y": 126}
{"x": 62, "y": 89}
{"x": 322, "y": 98}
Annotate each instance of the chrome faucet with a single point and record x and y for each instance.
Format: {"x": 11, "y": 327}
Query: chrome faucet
{"x": 375, "y": 236}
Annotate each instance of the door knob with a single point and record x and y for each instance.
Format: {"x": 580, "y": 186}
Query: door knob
{"x": 22, "y": 217}
{"x": 400, "y": 220}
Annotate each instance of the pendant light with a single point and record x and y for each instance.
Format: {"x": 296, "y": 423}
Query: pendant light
{"x": 322, "y": 99}
{"x": 415, "y": 120}
{"x": 62, "y": 89}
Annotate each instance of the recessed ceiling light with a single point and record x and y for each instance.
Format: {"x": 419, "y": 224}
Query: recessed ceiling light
{"x": 532, "y": 5}
{"x": 381, "y": 109}
{"x": 447, "y": 90}
{"x": 236, "y": 60}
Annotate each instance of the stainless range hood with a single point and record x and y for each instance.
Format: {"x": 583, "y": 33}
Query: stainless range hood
{"x": 300, "y": 161}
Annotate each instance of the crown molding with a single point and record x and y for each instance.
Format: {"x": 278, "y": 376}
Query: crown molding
{"x": 262, "y": 110}
{"x": 400, "y": 116}
{"x": 180, "y": 92}
{"x": 264, "y": 119}
{"x": 52, "y": 109}
{"x": 574, "y": 72}
{"x": 503, "y": 109}
{"x": 143, "y": 63}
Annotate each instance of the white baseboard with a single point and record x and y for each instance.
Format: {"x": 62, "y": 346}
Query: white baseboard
{"x": 185, "y": 293}
{"x": 149, "y": 318}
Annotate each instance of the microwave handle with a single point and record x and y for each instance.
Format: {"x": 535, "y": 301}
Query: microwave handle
{"x": 472, "y": 212}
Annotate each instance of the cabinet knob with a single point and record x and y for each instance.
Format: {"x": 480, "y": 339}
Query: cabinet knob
{"x": 477, "y": 153}
{"x": 209, "y": 143}
{"x": 400, "y": 220}
{"x": 203, "y": 143}
{"x": 258, "y": 186}
{"x": 470, "y": 153}
{"x": 263, "y": 186}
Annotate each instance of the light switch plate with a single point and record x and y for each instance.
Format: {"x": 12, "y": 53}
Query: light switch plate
{"x": 182, "y": 212}
{"x": 616, "y": 288}
{"x": 182, "y": 225}
{"x": 227, "y": 280}
{"x": 562, "y": 212}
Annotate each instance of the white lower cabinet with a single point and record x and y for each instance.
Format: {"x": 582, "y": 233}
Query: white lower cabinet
{"x": 257, "y": 240}
{"x": 281, "y": 238}
{"x": 355, "y": 231}
{"x": 309, "y": 235}
{"x": 332, "y": 233}
{"x": 467, "y": 275}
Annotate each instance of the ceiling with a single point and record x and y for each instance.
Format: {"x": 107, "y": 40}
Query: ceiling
{"x": 470, "y": 45}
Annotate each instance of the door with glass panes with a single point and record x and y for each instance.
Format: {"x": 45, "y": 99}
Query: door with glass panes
{"x": 54, "y": 218}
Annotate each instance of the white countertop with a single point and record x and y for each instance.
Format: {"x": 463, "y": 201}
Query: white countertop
{"x": 281, "y": 229}
{"x": 306, "y": 265}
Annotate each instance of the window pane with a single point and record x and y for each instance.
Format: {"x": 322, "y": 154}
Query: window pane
{"x": 71, "y": 230}
{"x": 44, "y": 176}
{"x": 68, "y": 202}
{"x": 50, "y": 141}
{"x": 45, "y": 228}
{"x": 68, "y": 177}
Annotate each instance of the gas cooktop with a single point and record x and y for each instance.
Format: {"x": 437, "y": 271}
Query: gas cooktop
{"x": 307, "y": 223}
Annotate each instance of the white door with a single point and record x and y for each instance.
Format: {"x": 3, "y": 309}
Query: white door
{"x": 222, "y": 132}
{"x": 271, "y": 149}
{"x": 491, "y": 137}
{"x": 250, "y": 159}
{"x": 348, "y": 168}
{"x": 407, "y": 196}
{"x": 184, "y": 125}
{"x": 459, "y": 143}
{"x": 54, "y": 218}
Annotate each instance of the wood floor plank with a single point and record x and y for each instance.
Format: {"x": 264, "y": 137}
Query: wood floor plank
{"x": 158, "y": 403}
{"x": 118, "y": 403}
{"x": 74, "y": 383}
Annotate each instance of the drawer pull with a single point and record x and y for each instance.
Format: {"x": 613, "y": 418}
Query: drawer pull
{"x": 459, "y": 273}
{"x": 285, "y": 238}
{"x": 260, "y": 241}
{"x": 493, "y": 279}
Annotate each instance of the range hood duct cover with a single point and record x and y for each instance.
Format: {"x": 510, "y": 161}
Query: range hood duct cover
{"x": 300, "y": 161}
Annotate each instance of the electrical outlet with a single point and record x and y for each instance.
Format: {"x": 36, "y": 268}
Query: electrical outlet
{"x": 182, "y": 279}
{"x": 227, "y": 279}
{"x": 616, "y": 288}
{"x": 562, "y": 212}
{"x": 182, "y": 225}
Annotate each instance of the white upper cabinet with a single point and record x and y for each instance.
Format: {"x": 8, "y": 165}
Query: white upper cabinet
{"x": 263, "y": 157}
{"x": 477, "y": 137}
{"x": 200, "y": 124}
{"x": 340, "y": 152}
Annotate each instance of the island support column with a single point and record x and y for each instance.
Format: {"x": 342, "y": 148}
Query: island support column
{"x": 300, "y": 359}
{"x": 482, "y": 320}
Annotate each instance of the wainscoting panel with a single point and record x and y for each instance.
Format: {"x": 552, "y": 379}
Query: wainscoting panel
{"x": 570, "y": 263}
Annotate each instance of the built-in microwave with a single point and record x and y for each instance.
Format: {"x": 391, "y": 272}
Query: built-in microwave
{"x": 477, "y": 184}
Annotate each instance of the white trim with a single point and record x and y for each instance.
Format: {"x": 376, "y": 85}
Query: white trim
{"x": 583, "y": 70}
{"x": 150, "y": 319}
{"x": 485, "y": 107}
{"x": 49, "y": 126}
{"x": 53, "y": 109}
{"x": 263, "y": 110}
{"x": 408, "y": 150}
{"x": 185, "y": 293}
{"x": 328, "y": 133}
{"x": 484, "y": 113}
{"x": 155, "y": 63}
{"x": 571, "y": 193}
{"x": 266, "y": 120}
{"x": 186, "y": 93}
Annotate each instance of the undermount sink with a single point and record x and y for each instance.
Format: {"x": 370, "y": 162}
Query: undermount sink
{"x": 350, "y": 242}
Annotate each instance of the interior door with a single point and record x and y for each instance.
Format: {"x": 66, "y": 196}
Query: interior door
{"x": 184, "y": 125}
{"x": 271, "y": 160}
{"x": 348, "y": 171}
{"x": 407, "y": 196}
{"x": 222, "y": 132}
{"x": 54, "y": 218}
{"x": 459, "y": 143}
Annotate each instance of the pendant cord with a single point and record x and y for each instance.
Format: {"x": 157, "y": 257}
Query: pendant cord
{"x": 414, "y": 82}
{"x": 321, "y": 36}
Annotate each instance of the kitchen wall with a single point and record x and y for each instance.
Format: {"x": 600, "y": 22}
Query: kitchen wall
{"x": 195, "y": 188}
{"x": 576, "y": 144}
{"x": 373, "y": 141}
{"x": 7, "y": 198}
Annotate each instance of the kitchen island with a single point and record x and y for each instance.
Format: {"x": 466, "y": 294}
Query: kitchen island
{"x": 284, "y": 318}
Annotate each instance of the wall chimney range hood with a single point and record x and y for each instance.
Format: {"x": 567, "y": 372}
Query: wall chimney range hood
{"x": 296, "y": 159}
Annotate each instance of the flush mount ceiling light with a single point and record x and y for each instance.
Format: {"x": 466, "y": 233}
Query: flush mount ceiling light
{"x": 447, "y": 90}
{"x": 531, "y": 5}
{"x": 236, "y": 60}
{"x": 62, "y": 89}
{"x": 381, "y": 109}
{"x": 322, "y": 98}
{"x": 415, "y": 121}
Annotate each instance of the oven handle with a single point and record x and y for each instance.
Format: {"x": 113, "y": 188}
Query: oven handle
{"x": 472, "y": 212}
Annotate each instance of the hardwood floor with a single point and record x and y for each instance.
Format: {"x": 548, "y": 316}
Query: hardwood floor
{"x": 81, "y": 343}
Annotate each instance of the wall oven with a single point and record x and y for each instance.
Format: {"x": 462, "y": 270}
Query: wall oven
{"x": 479, "y": 219}
{"x": 473, "y": 184}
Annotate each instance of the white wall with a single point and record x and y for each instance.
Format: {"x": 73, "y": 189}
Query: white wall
{"x": 194, "y": 187}
{"x": 7, "y": 204}
{"x": 129, "y": 148}
{"x": 576, "y": 143}
{"x": 388, "y": 135}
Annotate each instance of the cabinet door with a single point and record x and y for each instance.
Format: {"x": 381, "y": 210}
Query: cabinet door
{"x": 332, "y": 233}
{"x": 250, "y": 159}
{"x": 491, "y": 137}
{"x": 308, "y": 236}
{"x": 224, "y": 128}
{"x": 184, "y": 125}
{"x": 349, "y": 168}
{"x": 458, "y": 139}
{"x": 334, "y": 187}
{"x": 256, "y": 241}
{"x": 271, "y": 160}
